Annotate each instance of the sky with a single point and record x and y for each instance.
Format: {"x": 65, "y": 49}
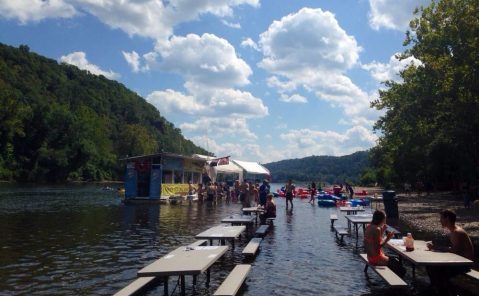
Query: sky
{"x": 258, "y": 80}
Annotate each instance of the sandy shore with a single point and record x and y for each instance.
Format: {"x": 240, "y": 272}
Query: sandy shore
{"x": 421, "y": 212}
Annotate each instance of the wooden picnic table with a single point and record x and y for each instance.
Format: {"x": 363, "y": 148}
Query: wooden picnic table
{"x": 185, "y": 261}
{"x": 351, "y": 210}
{"x": 238, "y": 219}
{"x": 257, "y": 210}
{"x": 357, "y": 220}
{"x": 422, "y": 256}
{"x": 222, "y": 232}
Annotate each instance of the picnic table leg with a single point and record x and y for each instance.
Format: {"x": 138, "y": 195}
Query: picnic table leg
{"x": 208, "y": 277}
{"x": 211, "y": 242}
{"x": 194, "y": 280}
{"x": 232, "y": 244}
{"x": 165, "y": 285}
{"x": 182, "y": 283}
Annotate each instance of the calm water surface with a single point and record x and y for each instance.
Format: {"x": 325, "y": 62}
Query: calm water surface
{"x": 81, "y": 240}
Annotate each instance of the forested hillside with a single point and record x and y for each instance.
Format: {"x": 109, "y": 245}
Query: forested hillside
{"x": 329, "y": 169}
{"x": 60, "y": 123}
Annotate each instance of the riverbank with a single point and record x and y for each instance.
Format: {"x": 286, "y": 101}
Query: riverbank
{"x": 421, "y": 212}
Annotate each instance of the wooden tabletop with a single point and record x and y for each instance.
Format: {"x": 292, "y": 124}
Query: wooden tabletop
{"x": 184, "y": 261}
{"x": 253, "y": 209}
{"x": 422, "y": 256}
{"x": 238, "y": 219}
{"x": 351, "y": 209}
{"x": 359, "y": 219}
{"x": 222, "y": 232}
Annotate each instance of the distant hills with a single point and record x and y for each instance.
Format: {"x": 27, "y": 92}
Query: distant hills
{"x": 328, "y": 169}
{"x": 60, "y": 123}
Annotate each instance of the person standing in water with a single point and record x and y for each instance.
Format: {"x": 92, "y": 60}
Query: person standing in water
{"x": 313, "y": 192}
{"x": 289, "y": 190}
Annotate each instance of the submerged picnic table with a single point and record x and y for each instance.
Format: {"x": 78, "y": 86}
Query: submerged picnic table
{"x": 185, "y": 261}
{"x": 422, "y": 256}
{"x": 357, "y": 220}
{"x": 257, "y": 210}
{"x": 222, "y": 232}
{"x": 238, "y": 219}
{"x": 351, "y": 210}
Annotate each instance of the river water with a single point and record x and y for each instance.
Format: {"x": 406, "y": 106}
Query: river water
{"x": 81, "y": 240}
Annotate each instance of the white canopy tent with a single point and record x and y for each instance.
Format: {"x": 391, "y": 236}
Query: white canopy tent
{"x": 252, "y": 167}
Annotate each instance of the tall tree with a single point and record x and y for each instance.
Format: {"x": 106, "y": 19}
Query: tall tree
{"x": 431, "y": 122}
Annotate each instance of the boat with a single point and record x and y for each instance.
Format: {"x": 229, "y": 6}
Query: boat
{"x": 326, "y": 203}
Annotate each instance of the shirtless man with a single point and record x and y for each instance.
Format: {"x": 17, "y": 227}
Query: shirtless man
{"x": 288, "y": 189}
{"x": 461, "y": 245}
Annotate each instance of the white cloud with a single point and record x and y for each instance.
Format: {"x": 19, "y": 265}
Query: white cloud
{"x": 209, "y": 102}
{"x": 235, "y": 150}
{"x": 309, "y": 49}
{"x": 382, "y": 72}
{"x": 79, "y": 59}
{"x": 281, "y": 85}
{"x": 248, "y": 42}
{"x": 35, "y": 10}
{"x": 148, "y": 18}
{"x": 133, "y": 59}
{"x": 306, "y": 142}
{"x": 205, "y": 60}
{"x": 231, "y": 25}
{"x": 296, "y": 98}
{"x": 393, "y": 14}
{"x": 308, "y": 40}
{"x": 170, "y": 101}
{"x": 221, "y": 127}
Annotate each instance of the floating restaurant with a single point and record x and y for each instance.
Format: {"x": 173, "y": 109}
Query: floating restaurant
{"x": 148, "y": 178}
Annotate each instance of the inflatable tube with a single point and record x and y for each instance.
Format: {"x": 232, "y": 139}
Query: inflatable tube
{"x": 326, "y": 203}
{"x": 359, "y": 202}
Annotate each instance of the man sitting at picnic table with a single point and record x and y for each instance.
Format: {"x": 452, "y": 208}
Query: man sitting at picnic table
{"x": 461, "y": 245}
{"x": 269, "y": 209}
{"x": 374, "y": 241}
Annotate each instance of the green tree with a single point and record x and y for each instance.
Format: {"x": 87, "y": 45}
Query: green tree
{"x": 431, "y": 120}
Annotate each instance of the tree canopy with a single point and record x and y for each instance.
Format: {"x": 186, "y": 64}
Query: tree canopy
{"x": 60, "y": 123}
{"x": 431, "y": 123}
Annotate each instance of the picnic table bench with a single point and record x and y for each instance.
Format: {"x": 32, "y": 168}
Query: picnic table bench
{"x": 333, "y": 218}
{"x": 138, "y": 286}
{"x": 233, "y": 281}
{"x": 252, "y": 247}
{"x": 384, "y": 272}
{"x": 270, "y": 220}
{"x": 262, "y": 230}
{"x": 340, "y": 231}
{"x": 473, "y": 274}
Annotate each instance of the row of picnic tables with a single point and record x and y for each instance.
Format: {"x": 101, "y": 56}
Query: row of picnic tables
{"x": 195, "y": 260}
{"x": 420, "y": 256}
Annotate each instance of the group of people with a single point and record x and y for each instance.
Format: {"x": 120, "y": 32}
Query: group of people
{"x": 460, "y": 244}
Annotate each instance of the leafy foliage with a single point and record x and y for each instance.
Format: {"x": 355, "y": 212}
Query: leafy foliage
{"x": 329, "y": 169}
{"x": 60, "y": 123}
{"x": 431, "y": 122}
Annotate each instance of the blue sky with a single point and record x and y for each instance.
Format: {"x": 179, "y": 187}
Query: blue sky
{"x": 257, "y": 80}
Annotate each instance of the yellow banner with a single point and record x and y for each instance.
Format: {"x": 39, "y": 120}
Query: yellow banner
{"x": 174, "y": 189}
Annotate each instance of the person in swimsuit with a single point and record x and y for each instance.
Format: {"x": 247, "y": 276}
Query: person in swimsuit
{"x": 289, "y": 189}
{"x": 374, "y": 241}
{"x": 269, "y": 209}
{"x": 460, "y": 244}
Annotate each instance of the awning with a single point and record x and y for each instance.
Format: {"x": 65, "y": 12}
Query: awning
{"x": 252, "y": 167}
{"x": 228, "y": 168}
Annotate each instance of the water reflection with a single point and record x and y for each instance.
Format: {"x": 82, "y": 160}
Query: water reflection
{"x": 80, "y": 240}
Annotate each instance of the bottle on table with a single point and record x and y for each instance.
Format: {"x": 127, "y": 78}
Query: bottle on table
{"x": 409, "y": 242}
